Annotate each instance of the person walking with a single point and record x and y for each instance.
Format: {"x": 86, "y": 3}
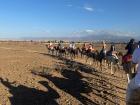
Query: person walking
{"x": 133, "y": 89}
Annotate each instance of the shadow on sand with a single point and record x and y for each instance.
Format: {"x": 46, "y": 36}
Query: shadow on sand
{"x": 71, "y": 84}
{"x": 70, "y": 63}
{"x": 74, "y": 84}
{"x": 23, "y": 95}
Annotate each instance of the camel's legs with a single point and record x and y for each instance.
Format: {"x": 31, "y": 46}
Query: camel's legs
{"x": 111, "y": 67}
{"x": 128, "y": 77}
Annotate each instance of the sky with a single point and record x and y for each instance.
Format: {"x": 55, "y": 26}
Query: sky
{"x": 56, "y": 18}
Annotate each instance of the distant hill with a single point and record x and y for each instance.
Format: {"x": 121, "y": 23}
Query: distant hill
{"x": 106, "y": 37}
{"x": 85, "y": 38}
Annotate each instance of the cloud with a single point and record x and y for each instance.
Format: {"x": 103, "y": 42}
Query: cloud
{"x": 88, "y": 30}
{"x": 89, "y": 8}
{"x": 85, "y": 7}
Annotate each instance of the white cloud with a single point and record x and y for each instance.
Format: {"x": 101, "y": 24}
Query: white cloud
{"x": 88, "y": 8}
{"x": 89, "y": 31}
{"x": 85, "y": 7}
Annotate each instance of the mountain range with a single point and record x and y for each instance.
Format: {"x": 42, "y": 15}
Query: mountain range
{"x": 112, "y": 38}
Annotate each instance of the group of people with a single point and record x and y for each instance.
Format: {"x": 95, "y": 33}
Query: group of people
{"x": 112, "y": 51}
{"x": 73, "y": 45}
{"x": 60, "y": 45}
{"x": 133, "y": 55}
{"x": 130, "y": 47}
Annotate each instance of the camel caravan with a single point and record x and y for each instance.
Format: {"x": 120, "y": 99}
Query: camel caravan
{"x": 130, "y": 61}
{"x": 108, "y": 58}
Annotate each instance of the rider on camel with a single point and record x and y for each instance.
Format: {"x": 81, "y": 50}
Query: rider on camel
{"x": 103, "y": 51}
{"x": 84, "y": 46}
{"x": 60, "y": 45}
{"x": 104, "y": 47}
{"x": 72, "y": 45}
{"x": 112, "y": 52}
{"x": 90, "y": 47}
{"x": 50, "y": 45}
{"x": 130, "y": 49}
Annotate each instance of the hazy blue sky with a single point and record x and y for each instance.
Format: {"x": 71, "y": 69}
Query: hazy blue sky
{"x": 43, "y": 18}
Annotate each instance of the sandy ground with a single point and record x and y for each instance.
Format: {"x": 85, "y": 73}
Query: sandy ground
{"x": 30, "y": 76}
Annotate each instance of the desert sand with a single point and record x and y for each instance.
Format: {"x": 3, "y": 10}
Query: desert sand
{"x": 30, "y": 76}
